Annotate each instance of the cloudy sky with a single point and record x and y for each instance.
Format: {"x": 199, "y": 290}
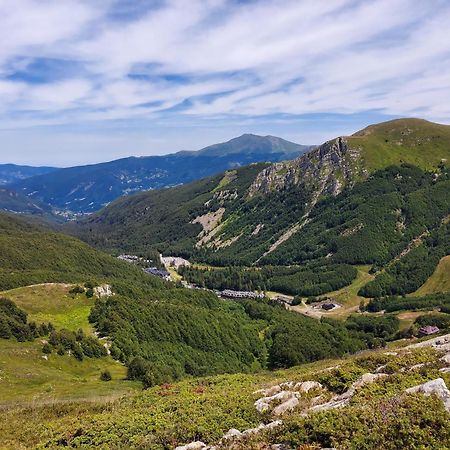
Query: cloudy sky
{"x": 88, "y": 81}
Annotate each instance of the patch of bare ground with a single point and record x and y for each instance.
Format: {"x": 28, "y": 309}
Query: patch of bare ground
{"x": 209, "y": 222}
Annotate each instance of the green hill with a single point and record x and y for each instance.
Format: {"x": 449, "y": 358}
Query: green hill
{"x": 160, "y": 331}
{"x": 439, "y": 281}
{"x": 30, "y": 254}
{"x": 365, "y": 215}
{"x": 415, "y": 141}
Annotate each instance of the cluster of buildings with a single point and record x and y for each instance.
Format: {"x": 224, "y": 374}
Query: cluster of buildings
{"x": 284, "y": 299}
{"x": 133, "y": 259}
{"x": 158, "y": 273}
{"x": 229, "y": 293}
{"x": 174, "y": 261}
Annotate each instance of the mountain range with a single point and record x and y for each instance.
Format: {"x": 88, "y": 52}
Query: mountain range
{"x": 362, "y": 199}
{"x": 262, "y": 201}
{"x": 84, "y": 189}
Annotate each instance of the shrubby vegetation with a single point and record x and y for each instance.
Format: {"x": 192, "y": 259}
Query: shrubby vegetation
{"x": 374, "y": 330}
{"x": 13, "y": 323}
{"x": 315, "y": 279}
{"x": 380, "y": 416}
{"x": 77, "y": 343}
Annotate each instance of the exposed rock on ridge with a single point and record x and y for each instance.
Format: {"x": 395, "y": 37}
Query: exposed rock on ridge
{"x": 325, "y": 170}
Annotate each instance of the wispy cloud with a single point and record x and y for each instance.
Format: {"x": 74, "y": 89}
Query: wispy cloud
{"x": 86, "y": 62}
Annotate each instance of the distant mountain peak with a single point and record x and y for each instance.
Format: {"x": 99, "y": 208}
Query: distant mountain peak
{"x": 249, "y": 143}
{"x": 90, "y": 187}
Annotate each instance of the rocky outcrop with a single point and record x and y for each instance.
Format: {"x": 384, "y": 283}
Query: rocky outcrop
{"x": 289, "y": 398}
{"x": 209, "y": 223}
{"x": 230, "y": 436}
{"x": 308, "y": 397}
{"x": 339, "y": 401}
{"x": 197, "y": 445}
{"x": 436, "y": 387}
{"x": 103, "y": 290}
{"x": 325, "y": 170}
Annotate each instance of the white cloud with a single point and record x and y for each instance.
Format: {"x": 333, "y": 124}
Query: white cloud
{"x": 227, "y": 58}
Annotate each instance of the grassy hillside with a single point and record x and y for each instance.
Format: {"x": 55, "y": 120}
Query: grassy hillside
{"x": 26, "y": 377}
{"x": 414, "y": 141}
{"x": 380, "y": 414}
{"x": 53, "y": 303}
{"x": 439, "y": 281}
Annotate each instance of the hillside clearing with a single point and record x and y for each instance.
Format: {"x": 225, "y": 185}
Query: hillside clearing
{"x": 439, "y": 281}
{"x": 51, "y": 302}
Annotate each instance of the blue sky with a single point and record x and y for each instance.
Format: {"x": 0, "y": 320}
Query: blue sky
{"x": 89, "y": 81}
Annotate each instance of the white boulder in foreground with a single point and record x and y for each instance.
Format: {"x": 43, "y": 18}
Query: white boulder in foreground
{"x": 437, "y": 387}
{"x": 198, "y": 445}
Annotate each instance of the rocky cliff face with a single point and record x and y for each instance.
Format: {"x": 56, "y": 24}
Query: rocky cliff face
{"x": 326, "y": 170}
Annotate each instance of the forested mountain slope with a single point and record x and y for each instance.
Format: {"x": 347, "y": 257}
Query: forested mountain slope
{"x": 15, "y": 202}
{"x": 30, "y": 253}
{"x": 347, "y": 199}
{"x": 85, "y": 189}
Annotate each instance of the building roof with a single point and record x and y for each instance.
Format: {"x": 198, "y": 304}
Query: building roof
{"x": 429, "y": 329}
{"x": 328, "y": 306}
{"x": 157, "y": 272}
